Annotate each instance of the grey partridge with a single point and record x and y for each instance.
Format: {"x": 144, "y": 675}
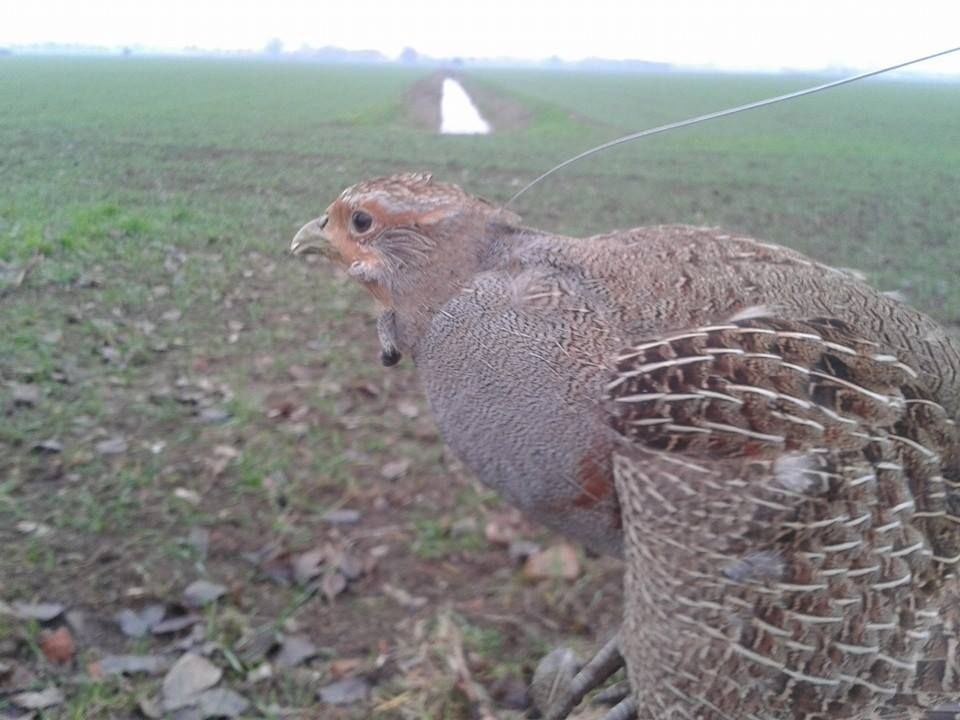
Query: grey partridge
{"x": 768, "y": 442}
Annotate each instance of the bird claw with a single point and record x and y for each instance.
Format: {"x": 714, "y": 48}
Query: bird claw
{"x": 561, "y": 690}
{"x": 626, "y": 709}
{"x": 613, "y": 695}
{"x": 387, "y": 334}
{"x": 390, "y": 357}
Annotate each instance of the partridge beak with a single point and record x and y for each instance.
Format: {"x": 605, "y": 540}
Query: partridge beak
{"x": 311, "y": 238}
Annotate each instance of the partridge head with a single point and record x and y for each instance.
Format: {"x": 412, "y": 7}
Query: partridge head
{"x": 410, "y": 241}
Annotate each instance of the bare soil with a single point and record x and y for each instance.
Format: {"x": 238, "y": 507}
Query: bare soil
{"x": 423, "y": 549}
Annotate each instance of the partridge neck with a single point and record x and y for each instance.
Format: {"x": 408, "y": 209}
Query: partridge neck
{"x": 465, "y": 248}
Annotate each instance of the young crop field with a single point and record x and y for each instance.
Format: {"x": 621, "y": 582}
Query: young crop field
{"x": 181, "y": 401}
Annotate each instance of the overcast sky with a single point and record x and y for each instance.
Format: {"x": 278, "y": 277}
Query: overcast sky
{"x": 745, "y": 34}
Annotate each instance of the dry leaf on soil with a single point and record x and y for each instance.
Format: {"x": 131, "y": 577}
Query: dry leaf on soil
{"x": 175, "y": 624}
{"x": 308, "y": 565}
{"x": 43, "y": 612}
{"x": 137, "y": 624}
{"x": 39, "y": 700}
{"x": 333, "y": 584}
{"x": 189, "y": 676}
{"x": 200, "y": 592}
{"x": 222, "y": 703}
{"x": 294, "y": 649}
{"x": 349, "y": 566}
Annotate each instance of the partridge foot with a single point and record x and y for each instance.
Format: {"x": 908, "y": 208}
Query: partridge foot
{"x": 558, "y": 686}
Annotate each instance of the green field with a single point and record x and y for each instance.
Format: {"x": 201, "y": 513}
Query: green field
{"x": 181, "y": 400}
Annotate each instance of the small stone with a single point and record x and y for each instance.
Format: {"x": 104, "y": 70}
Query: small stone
{"x": 522, "y": 549}
{"x": 151, "y": 707}
{"x": 113, "y": 446}
{"x": 25, "y": 395}
{"x": 343, "y": 516}
{"x": 554, "y": 673}
{"x": 79, "y": 622}
{"x": 379, "y": 551}
{"x": 28, "y": 527}
{"x": 299, "y": 373}
{"x": 295, "y": 429}
{"x": 261, "y": 672}
{"x": 156, "y": 447}
{"x": 345, "y": 666}
{"x": 498, "y": 533}
{"x": 345, "y": 692}
{"x": 408, "y": 409}
{"x": 199, "y": 540}
{"x": 214, "y": 415}
{"x": 51, "y": 446}
{"x": 57, "y": 645}
{"x": 559, "y": 562}
{"x": 395, "y": 469}
{"x": 402, "y": 597}
{"x": 187, "y": 495}
{"x": 350, "y": 566}
{"x": 464, "y": 526}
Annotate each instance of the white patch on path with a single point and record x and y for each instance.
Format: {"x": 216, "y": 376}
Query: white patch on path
{"x": 458, "y": 114}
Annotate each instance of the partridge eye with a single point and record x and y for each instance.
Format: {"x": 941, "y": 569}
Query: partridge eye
{"x": 361, "y": 221}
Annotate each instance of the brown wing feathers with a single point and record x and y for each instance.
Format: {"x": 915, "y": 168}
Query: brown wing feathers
{"x": 796, "y": 518}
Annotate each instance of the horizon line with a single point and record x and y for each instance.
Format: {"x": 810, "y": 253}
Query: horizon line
{"x": 371, "y": 56}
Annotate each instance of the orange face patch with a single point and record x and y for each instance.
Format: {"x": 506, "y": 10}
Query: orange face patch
{"x": 349, "y": 250}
